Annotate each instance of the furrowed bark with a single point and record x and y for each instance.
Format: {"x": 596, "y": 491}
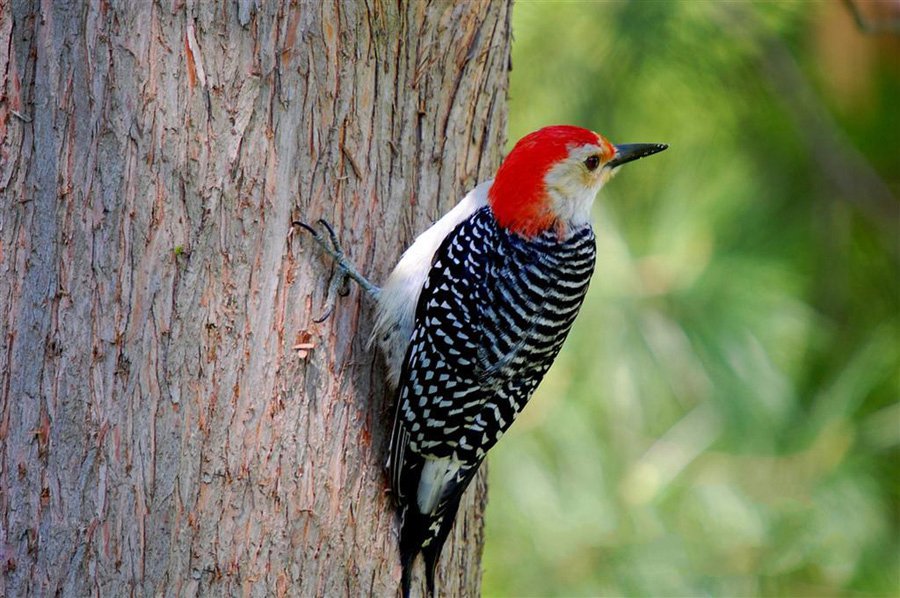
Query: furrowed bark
{"x": 172, "y": 420}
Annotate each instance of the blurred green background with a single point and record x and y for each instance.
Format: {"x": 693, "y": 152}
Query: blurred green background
{"x": 724, "y": 418}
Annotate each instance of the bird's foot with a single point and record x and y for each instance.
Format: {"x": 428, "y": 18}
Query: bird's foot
{"x": 345, "y": 269}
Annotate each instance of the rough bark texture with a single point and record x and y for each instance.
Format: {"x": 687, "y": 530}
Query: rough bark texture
{"x": 160, "y": 431}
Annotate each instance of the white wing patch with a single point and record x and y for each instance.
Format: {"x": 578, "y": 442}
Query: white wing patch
{"x": 437, "y": 474}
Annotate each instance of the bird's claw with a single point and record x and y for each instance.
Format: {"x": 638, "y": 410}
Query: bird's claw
{"x": 345, "y": 270}
{"x": 335, "y": 250}
{"x": 334, "y": 238}
{"x": 324, "y": 316}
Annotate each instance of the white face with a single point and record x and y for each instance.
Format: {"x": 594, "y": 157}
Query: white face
{"x": 573, "y": 183}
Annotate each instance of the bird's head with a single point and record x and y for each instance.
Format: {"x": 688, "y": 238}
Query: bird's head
{"x": 550, "y": 178}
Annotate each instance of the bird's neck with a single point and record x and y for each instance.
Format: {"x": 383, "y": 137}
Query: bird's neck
{"x": 549, "y": 211}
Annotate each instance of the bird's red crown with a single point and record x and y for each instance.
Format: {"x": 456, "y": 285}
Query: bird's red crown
{"x": 518, "y": 195}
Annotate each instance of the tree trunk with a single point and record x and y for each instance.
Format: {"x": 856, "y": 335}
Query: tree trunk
{"x": 173, "y": 421}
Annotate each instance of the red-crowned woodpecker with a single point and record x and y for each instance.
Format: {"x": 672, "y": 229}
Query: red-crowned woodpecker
{"x": 474, "y": 314}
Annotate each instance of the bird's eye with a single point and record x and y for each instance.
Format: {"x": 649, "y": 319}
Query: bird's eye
{"x": 592, "y": 162}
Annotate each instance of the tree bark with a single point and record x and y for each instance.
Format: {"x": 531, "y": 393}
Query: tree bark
{"x": 172, "y": 419}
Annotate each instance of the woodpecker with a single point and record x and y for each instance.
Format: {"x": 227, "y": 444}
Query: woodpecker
{"x": 475, "y": 312}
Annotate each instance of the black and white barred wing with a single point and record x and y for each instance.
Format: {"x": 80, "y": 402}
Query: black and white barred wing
{"x": 440, "y": 374}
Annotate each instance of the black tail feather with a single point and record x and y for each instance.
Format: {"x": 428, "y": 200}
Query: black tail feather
{"x": 407, "y": 564}
{"x": 429, "y": 578}
{"x": 428, "y": 533}
{"x": 418, "y": 529}
{"x": 432, "y": 553}
{"x": 413, "y": 533}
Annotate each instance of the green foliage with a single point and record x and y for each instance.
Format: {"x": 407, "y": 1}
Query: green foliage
{"x": 724, "y": 418}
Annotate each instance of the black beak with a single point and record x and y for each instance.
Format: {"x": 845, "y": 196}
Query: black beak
{"x": 634, "y": 151}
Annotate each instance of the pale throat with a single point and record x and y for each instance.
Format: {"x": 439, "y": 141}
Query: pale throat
{"x": 570, "y": 196}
